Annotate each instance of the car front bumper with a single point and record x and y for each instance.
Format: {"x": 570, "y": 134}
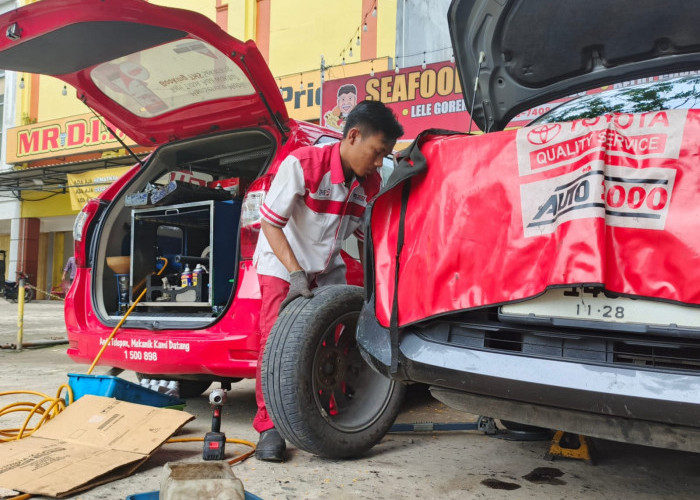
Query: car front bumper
{"x": 624, "y": 403}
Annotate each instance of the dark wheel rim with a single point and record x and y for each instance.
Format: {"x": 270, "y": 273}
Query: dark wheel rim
{"x": 348, "y": 393}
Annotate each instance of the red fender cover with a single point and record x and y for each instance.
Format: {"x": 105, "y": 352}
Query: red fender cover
{"x": 495, "y": 218}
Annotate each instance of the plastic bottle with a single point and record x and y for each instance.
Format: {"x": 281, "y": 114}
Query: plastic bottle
{"x": 173, "y": 389}
{"x": 145, "y": 382}
{"x": 163, "y": 386}
{"x": 186, "y": 277}
{"x": 153, "y": 385}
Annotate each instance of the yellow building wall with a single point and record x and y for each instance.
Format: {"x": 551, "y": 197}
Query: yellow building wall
{"x": 241, "y": 19}
{"x": 58, "y": 261}
{"x": 206, "y": 7}
{"x": 41, "y": 204}
{"x": 53, "y": 104}
{"x": 300, "y": 32}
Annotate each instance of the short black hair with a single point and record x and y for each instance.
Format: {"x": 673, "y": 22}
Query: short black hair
{"x": 373, "y": 117}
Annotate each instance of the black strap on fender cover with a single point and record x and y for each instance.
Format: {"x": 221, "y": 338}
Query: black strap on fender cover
{"x": 411, "y": 160}
{"x": 394, "y": 320}
{"x": 411, "y": 163}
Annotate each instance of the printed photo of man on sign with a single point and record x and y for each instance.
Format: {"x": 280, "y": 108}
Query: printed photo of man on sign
{"x": 346, "y": 100}
{"x": 421, "y": 98}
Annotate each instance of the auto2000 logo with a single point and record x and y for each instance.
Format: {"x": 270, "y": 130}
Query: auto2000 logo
{"x": 590, "y": 186}
{"x": 624, "y": 196}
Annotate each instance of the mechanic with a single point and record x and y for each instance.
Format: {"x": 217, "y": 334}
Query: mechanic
{"x": 314, "y": 203}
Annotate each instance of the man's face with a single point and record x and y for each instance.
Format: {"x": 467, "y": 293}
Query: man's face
{"x": 346, "y": 102}
{"x": 366, "y": 152}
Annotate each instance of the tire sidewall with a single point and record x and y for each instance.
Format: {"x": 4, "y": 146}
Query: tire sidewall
{"x": 287, "y": 377}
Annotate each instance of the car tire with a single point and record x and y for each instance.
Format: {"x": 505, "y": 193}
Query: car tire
{"x": 319, "y": 392}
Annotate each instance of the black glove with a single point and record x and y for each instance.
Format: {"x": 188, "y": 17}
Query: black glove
{"x": 298, "y": 286}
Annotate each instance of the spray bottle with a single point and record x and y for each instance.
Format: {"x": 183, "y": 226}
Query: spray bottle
{"x": 197, "y": 274}
{"x": 186, "y": 277}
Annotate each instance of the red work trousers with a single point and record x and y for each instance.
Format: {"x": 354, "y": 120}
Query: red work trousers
{"x": 273, "y": 291}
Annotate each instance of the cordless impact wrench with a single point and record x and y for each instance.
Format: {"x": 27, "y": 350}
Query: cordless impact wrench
{"x": 215, "y": 441}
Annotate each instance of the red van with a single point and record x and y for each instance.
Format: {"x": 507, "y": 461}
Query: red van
{"x": 181, "y": 225}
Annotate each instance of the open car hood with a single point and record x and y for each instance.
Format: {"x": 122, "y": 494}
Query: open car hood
{"x": 535, "y": 51}
{"x": 156, "y": 73}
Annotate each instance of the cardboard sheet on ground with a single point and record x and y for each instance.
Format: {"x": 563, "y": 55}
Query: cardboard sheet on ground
{"x": 94, "y": 441}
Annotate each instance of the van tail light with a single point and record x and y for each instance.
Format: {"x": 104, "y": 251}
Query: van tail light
{"x": 80, "y": 230}
{"x": 250, "y": 215}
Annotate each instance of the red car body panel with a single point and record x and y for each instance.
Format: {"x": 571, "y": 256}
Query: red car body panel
{"x": 609, "y": 201}
{"x": 229, "y": 348}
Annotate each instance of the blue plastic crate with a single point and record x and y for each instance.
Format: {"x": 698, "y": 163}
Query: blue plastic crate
{"x": 115, "y": 387}
{"x": 153, "y": 495}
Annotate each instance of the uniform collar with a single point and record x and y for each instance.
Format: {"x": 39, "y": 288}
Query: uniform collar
{"x": 337, "y": 174}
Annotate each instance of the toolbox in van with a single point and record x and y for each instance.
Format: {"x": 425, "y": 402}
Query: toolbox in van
{"x": 187, "y": 234}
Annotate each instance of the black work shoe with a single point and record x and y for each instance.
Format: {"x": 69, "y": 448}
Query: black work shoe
{"x": 271, "y": 446}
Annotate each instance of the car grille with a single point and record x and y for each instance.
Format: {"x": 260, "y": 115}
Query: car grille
{"x": 597, "y": 347}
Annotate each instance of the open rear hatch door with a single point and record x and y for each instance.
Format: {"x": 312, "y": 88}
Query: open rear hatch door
{"x": 535, "y": 51}
{"x": 157, "y": 73}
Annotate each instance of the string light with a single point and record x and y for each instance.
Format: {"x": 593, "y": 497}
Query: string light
{"x": 371, "y": 70}
{"x": 64, "y": 91}
{"x": 396, "y": 70}
{"x": 423, "y": 66}
{"x": 362, "y": 27}
{"x": 21, "y": 83}
{"x": 407, "y": 56}
{"x": 301, "y": 81}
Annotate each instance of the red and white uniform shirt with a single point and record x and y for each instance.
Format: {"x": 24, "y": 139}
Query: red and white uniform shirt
{"x": 309, "y": 200}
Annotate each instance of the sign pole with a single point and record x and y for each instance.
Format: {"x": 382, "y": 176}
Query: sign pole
{"x": 20, "y": 313}
{"x": 320, "y": 104}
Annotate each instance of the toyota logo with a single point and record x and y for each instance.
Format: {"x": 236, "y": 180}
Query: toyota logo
{"x": 543, "y": 134}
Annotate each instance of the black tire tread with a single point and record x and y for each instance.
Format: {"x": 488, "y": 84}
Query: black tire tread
{"x": 281, "y": 377}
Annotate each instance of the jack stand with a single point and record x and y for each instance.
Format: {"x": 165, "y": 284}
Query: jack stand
{"x": 215, "y": 441}
{"x": 576, "y": 446}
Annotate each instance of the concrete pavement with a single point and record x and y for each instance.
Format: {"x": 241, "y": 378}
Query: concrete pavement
{"x": 455, "y": 464}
